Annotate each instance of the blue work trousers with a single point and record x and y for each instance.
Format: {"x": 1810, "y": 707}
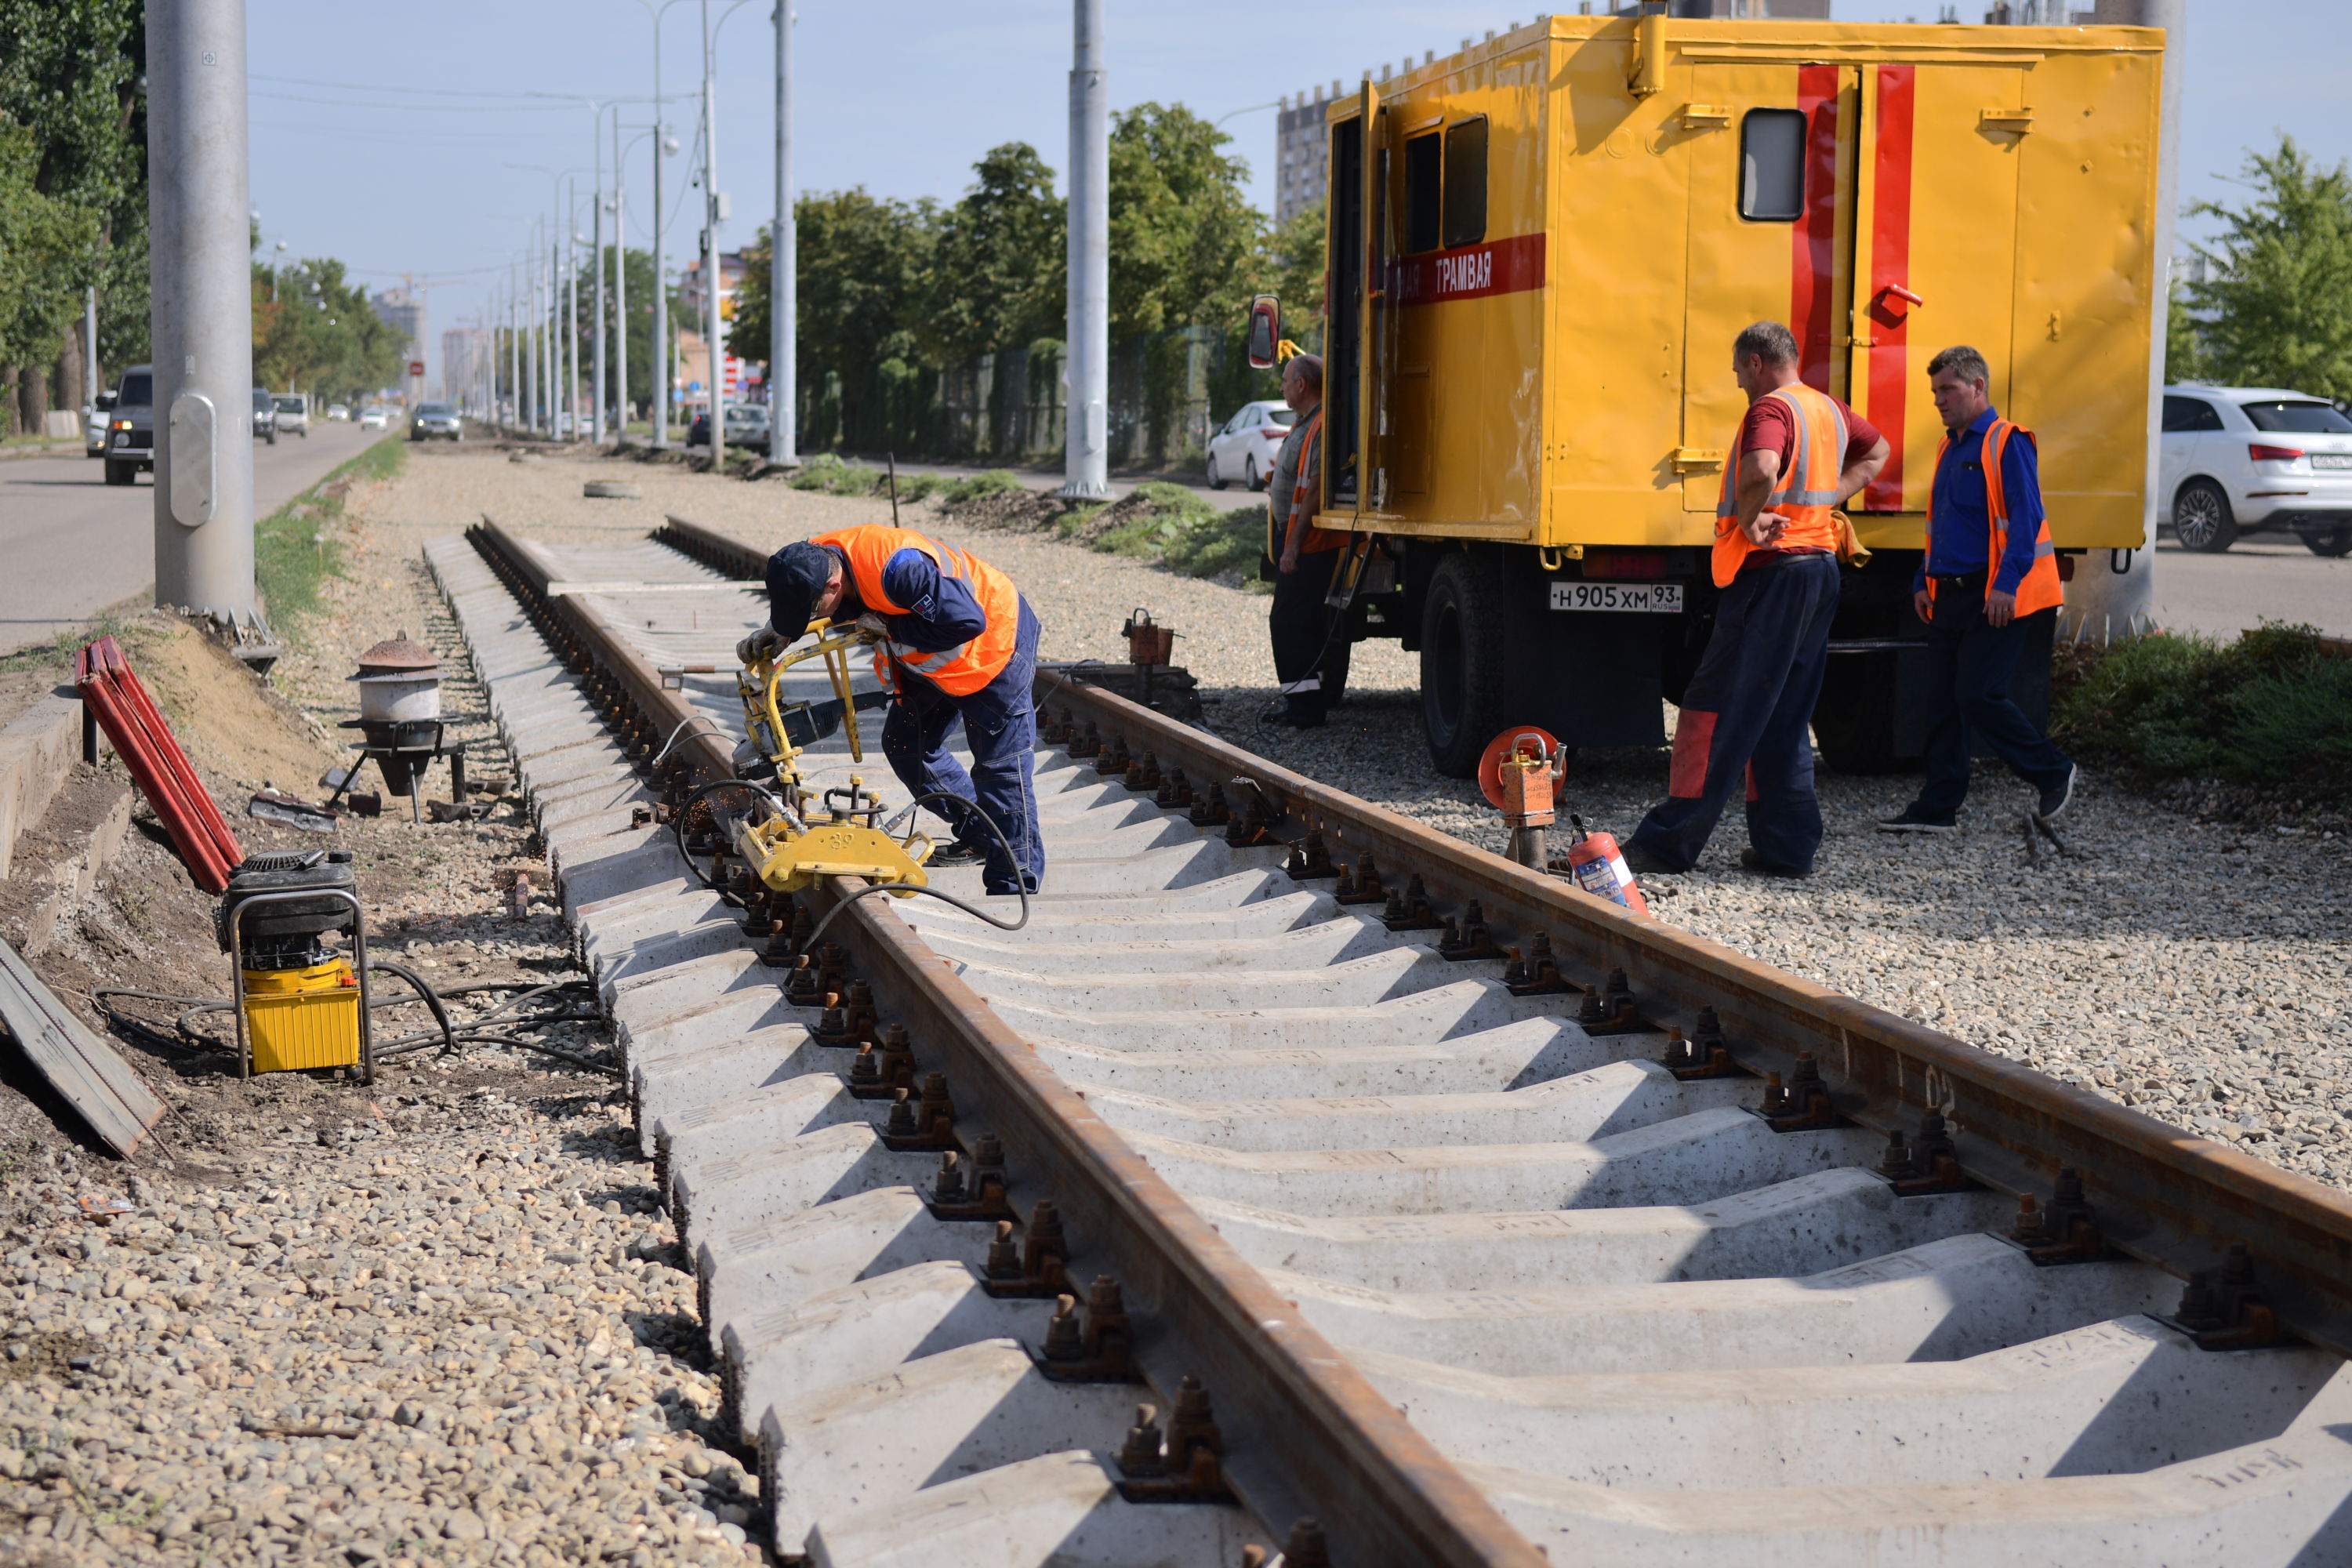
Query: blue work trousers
{"x": 1748, "y": 715}
{"x": 999, "y": 726}
{"x": 1971, "y": 663}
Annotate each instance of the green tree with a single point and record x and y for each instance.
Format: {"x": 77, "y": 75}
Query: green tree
{"x": 67, "y": 76}
{"x": 2278, "y": 310}
{"x": 1000, "y": 263}
{"x": 315, "y": 331}
{"x": 1184, "y": 241}
{"x": 864, "y": 265}
{"x": 2184, "y": 353}
{"x": 1295, "y": 271}
{"x": 644, "y": 375}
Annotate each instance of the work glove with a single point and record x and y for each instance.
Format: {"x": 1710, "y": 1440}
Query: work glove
{"x": 765, "y": 644}
{"x": 872, "y": 625}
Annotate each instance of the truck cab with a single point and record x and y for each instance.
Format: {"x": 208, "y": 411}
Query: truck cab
{"x": 1541, "y": 249}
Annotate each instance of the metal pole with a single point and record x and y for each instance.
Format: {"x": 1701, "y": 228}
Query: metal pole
{"x": 571, "y": 300}
{"x": 621, "y": 285}
{"x": 201, "y": 325}
{"x": 89, "y": 343}
{"x": 1086, "y": 420}
{"x": 658, "y": 357}
{"x": 597, "y": 255}
{"x": 711, "y": 268}
{"x": 783, "y": 267}
{"x": 2101, "y": 600}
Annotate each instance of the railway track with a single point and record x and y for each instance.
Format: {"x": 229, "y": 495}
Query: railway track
{"x": 1459, "y": 1220}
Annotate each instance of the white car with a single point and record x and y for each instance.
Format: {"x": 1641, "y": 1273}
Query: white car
{"x": 294, "y": 412}
{"x": 2237, "y": 458}
{"x": 337, "y": 411}
{"x": 1244, "y": 447}
{"x": 374, "y": 418}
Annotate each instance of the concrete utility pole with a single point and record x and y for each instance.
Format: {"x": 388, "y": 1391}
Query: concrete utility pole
{"x": 783, "y": 266}
{"x": 596, "y": 252}
{"x": 201, "y": 326}
{"x": 621, "y": 287}
{"x": 2102, "y": 604}
{"x": 89, "y": 343}
{"x": 711, "y": 267}
{"x": 1087, "y": 357}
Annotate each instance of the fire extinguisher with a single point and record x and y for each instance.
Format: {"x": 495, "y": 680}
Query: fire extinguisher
{"x": 1599, "y": 869}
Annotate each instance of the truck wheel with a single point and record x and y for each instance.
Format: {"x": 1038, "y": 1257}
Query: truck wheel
{"x": 2201, "y": 519}
{"x": 1462, "y": 665}
{"x": 120, "y": 473}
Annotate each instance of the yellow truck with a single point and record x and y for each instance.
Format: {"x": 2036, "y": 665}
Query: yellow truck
{"x": 1541, "y": 248}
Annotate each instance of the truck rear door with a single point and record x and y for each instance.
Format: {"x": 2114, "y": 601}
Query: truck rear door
{"x": 1872, "y": 209}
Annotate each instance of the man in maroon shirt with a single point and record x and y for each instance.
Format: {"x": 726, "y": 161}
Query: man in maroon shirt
{"x": 1747, "y": 716}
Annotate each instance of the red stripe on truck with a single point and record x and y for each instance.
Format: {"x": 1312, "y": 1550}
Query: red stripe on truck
{"x": 1890, "y": 265}
{"x": 1813, "y": 273}
{"x": 1472, "y": 272}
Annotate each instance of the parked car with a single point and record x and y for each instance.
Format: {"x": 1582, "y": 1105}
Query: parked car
{"x": 338, "y": 411}
{"x": 130, "y": 444}
{"x": 2238, "y": 458}
{"x": 265, "y": 416}
{"x": 747, "y": 426}
{"x": 294, "y": 414}
{"x": 434, "y": 421}
{"x": 95, "y": 419}
{"x": 374, "y": 417}
{"x": 1244, "y": 445}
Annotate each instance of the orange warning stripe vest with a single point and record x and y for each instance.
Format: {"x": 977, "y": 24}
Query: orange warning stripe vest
{"x": 1806, "y": 492}
{"x": 958, "y": 671}
{"x": 2041, "y": 588}
{"x": 1304, "y": 492}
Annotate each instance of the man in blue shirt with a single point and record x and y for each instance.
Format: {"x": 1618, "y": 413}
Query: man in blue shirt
{"x": 1987, "y": 488}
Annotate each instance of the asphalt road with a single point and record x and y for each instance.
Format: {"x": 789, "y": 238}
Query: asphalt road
{"x": 74, "y": 546}
{"x": 2267, "y": 577}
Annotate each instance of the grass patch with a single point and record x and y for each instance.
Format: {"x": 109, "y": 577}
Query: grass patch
{"x": 2272, "y": 709}
{"x": 58, "y": 652}
{"x": 298, "y": 547}
{"x": 993, "y": 481}
{"x": 1176, "y": 527}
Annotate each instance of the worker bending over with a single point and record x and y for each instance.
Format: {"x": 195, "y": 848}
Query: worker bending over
{"x": 1748, "y": 715}
{"x": 1304, "y": 556}
{"x": 958, "y": 643}
{"x": 1989, "y": 569}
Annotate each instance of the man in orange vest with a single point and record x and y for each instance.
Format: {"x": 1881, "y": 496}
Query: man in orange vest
{"x": 1747, "y": 715}
{"x": 1304, "y": 556}
{"x": 1989, "y": 567}
{"x": 957, "y": 644}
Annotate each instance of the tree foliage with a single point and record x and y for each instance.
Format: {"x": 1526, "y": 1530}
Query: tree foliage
{"x": 73, "y": 196}
{"x": 2278, "y": 310}
{"x": 320, "y": 334}
{"x": 999, "y": 264}
{"x": 1182, "y": 237}
{"x": 643, "y": 375}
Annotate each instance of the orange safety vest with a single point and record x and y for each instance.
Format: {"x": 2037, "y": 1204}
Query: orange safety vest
{"x": 958, "y": 671}
{"x": 1807, "y": 493}
{"x": 2041, "y": 587}
{"x": 1302, "y": 494}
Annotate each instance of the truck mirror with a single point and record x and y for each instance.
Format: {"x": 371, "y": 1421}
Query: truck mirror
{"x": 1265, "y": 330}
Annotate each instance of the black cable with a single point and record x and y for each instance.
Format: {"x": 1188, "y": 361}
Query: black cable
{"x": 677, "y": 826}
{"x": 1021, "y": 878}
{"x": 426, "y": 993}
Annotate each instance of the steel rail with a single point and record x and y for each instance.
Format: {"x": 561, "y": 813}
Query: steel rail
{"x": 1306, "y": 1433}
{"x": 2163, "y": 1194}
{"x": 2160, "y": 1193}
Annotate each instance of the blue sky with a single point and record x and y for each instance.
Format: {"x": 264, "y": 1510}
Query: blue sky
{"x": 381, "y": 133}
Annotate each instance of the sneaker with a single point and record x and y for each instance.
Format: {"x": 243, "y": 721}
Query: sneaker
{"x": 2057, "y": 797}
{"x": 962, "y": 852}
{"x": 1751, "y": 862}
{"x": 1914, "y": 820}
{"x": 1641, "y": 863}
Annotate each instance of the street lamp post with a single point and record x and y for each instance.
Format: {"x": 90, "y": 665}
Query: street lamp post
{"x": 784, "y": 264}
{"x": 660, "y": 344}
{"x": 1085, "y": 438}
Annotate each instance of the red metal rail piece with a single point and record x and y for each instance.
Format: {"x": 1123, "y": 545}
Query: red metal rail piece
{"x": 157, "y": 763}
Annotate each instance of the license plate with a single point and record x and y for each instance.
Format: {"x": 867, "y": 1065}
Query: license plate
{"x": 2331, "y": 459}
{"x": 1641, "y": 598}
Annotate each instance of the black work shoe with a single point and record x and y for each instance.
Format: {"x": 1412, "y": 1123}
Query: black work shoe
{"x": 2057, "y": 797}
{"x": 962, "y": 852}
{"x": 1641, "y": 863}
{"x": 1914, "y": 820}
{"x": 1752, "y": 862}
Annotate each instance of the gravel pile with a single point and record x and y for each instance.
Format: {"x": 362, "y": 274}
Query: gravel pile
{"x": 438, "y": 1334}
{"x": 2201, "y": 973}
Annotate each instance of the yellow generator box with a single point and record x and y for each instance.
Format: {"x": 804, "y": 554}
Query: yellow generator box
{"x": 301, "y": 1018}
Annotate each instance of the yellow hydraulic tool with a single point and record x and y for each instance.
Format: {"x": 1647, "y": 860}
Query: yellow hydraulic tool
{"x": 790, "y": 851}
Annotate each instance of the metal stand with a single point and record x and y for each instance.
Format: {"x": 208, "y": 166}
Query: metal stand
{"x": 359, "y": 967}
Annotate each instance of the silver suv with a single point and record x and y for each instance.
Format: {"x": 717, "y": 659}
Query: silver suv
{"x": 293, "y": 414}
{"x": 2236, "y": 459}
